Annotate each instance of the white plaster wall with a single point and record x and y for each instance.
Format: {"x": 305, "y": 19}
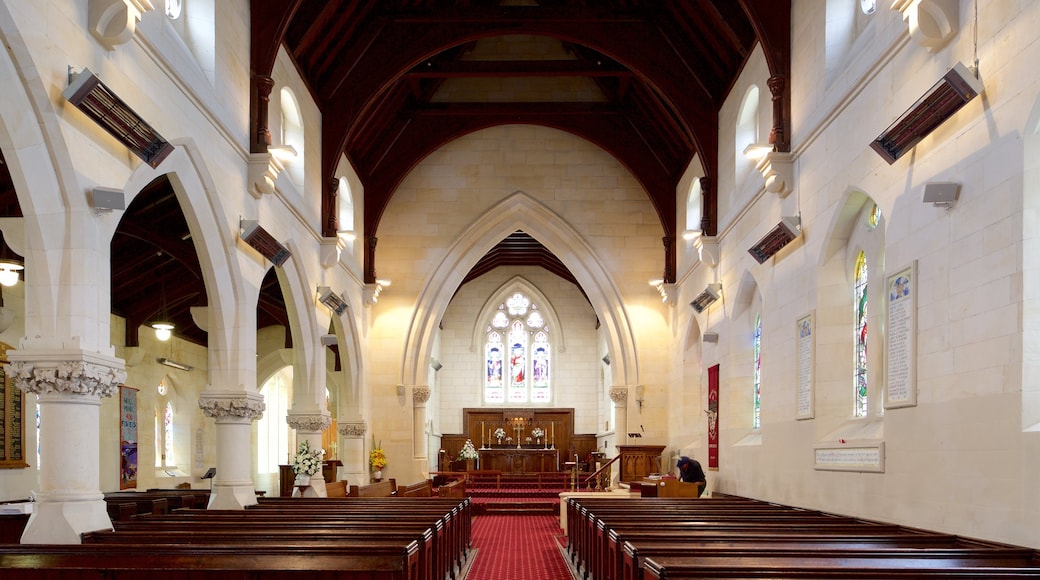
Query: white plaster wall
{"x": 961, "y": 460}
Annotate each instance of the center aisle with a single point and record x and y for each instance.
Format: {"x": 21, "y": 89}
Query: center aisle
{"x": 517, "y": 547}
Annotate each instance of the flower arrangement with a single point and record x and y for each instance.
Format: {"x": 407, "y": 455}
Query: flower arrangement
{"x": 538, "y": 432}
{"x": 307, "y": 460}
{"x": 500, "y": 433}
{"x": 468, "y": 451}
{"x": 376, "y": 457}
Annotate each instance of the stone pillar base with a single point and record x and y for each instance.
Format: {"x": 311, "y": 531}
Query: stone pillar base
{"x": 62, "y": 522}
{"x": 231, "y": 497}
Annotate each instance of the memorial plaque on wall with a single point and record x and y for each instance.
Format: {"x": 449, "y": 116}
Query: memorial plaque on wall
{"x": 805, "y": 407}
{"x": 12, "y": 430}
{"x": 901, "y": 338}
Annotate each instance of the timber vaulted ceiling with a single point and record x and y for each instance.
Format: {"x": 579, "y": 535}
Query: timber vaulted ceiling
{"x": 380, "y": 72}
{"x": 390, "y": 79}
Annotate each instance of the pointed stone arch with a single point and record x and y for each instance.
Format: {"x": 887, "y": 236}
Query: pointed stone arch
{"x": 520, "y": 211}
{"x": 215, "y": 246}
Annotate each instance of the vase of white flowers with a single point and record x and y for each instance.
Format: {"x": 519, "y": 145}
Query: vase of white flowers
{"x": 306, "y": 463}
{"x": 468, "y": 454}
{"x": 538, "y": 434}
{"x": 499, "y": 434}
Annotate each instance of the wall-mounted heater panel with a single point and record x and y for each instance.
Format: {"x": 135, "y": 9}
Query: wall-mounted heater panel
{"x": 260, "y": 240}
{"x": 782, "y": 234}
{"x": 707, "y": 298}
{"x": 946, "y": 97}
{"x": 88, "y": 94}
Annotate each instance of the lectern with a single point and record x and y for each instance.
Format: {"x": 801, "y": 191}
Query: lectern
{"x": 639, "y": 461}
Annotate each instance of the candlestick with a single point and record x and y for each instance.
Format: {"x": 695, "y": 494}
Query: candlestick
{"x": 481, "y": 434}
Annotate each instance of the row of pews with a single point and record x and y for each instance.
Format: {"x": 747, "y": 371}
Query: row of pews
{"x": 352, "y": 538}
{"x": 733, "y": 537}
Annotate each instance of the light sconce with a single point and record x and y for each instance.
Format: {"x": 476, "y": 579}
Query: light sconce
{"x": 9, "y": 273}
{"x": 88, "y": 94}
{"x": 174, "y": 364}
{"x": 333, "y": 301}
{"x": 756, "y": 151}
{"x": 706, "y": 298}
{"x": 163, "y": 330}
{"x": 384, "y": 282}
{"x": 283, "y": 152}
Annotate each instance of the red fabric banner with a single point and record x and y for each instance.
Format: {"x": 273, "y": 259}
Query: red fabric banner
{"x": 713, "y": 417}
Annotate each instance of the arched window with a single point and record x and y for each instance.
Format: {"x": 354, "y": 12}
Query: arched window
{"x": 859, "y": 304}
{"x": 272, "y": 433}
{"x": 746, "y": 134}
{"x": 345, "y": 211}
{"x": 694, "y": 209}
{"x": 757, "y": 420}
{"x": 168, "y": 458}
{"x": 517, "y": 327}
{"x": 164, "y": 436}
{"x": 292, "y": 142}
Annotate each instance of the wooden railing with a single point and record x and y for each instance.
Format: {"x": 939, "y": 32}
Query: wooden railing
{"x": 597, "y": 476}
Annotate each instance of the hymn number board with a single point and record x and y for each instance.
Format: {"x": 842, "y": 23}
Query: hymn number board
{"x": 12, "y": 430}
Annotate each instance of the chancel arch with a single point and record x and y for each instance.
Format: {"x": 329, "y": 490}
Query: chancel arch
{"x": 520, "y": 211}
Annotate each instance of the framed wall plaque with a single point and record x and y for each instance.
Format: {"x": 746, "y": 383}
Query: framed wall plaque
{"x": 12, "y": 427}
{"x": 805, "y": 407}
{"x": 901, "y": 338}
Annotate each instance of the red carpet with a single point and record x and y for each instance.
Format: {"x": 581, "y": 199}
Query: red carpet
{"x": 517, "y": 547}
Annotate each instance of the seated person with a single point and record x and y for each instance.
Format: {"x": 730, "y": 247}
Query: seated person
{"x": 690, "y": 471}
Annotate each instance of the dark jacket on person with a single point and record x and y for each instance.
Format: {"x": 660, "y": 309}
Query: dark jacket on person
{"x": 693, "y": 471}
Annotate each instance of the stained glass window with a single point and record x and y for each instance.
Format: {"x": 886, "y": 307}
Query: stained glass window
{"x": 860, "y": 339}
{"x": 757, "y": 420}
{"x": 168, "y": 434}
{"x": 518, "y": 329}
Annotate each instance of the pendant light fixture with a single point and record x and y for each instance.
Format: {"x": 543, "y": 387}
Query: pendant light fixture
{"x": 163, "y": 327}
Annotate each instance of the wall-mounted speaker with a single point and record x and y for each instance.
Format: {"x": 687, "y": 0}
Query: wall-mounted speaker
{"x": 711, "y": 337}
{"x": 941, "y": 194}
{"x": 107, "y": 199}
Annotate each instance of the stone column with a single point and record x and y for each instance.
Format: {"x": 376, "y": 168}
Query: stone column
{"x": 420, "y": 395}
{"x": 69, "y": 385}
{"x": 234, "y": 413}
{"x": 352, "y": 450}
{"x": 308, "y": 428}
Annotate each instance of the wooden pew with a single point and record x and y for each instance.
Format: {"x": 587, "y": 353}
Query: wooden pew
{"x": 840, "y": 566}
{"x": 421, "y": 489}
{"x": 455, "y": 489}
{"x": 336, "y": 488}
{"x": 450, "y": 518}
{"x": 386, "y": 488}
{"x": 749, "y": 539}
{"x": 894, "y": 546}
{"x": 373, "y": 560}
{"x": 457, "y": 514}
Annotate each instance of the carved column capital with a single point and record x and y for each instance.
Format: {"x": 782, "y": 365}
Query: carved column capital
{"x": 353, "y": 429}
{"x": 308, "y": 421}
{"x": 65, "y": 373}
{"x": 420, "y": 395}
{"x": 233, "y": 405}
{"x": 619, "y": 395}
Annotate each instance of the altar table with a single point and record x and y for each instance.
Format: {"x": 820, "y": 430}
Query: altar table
{"x": 523, "y": 460}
